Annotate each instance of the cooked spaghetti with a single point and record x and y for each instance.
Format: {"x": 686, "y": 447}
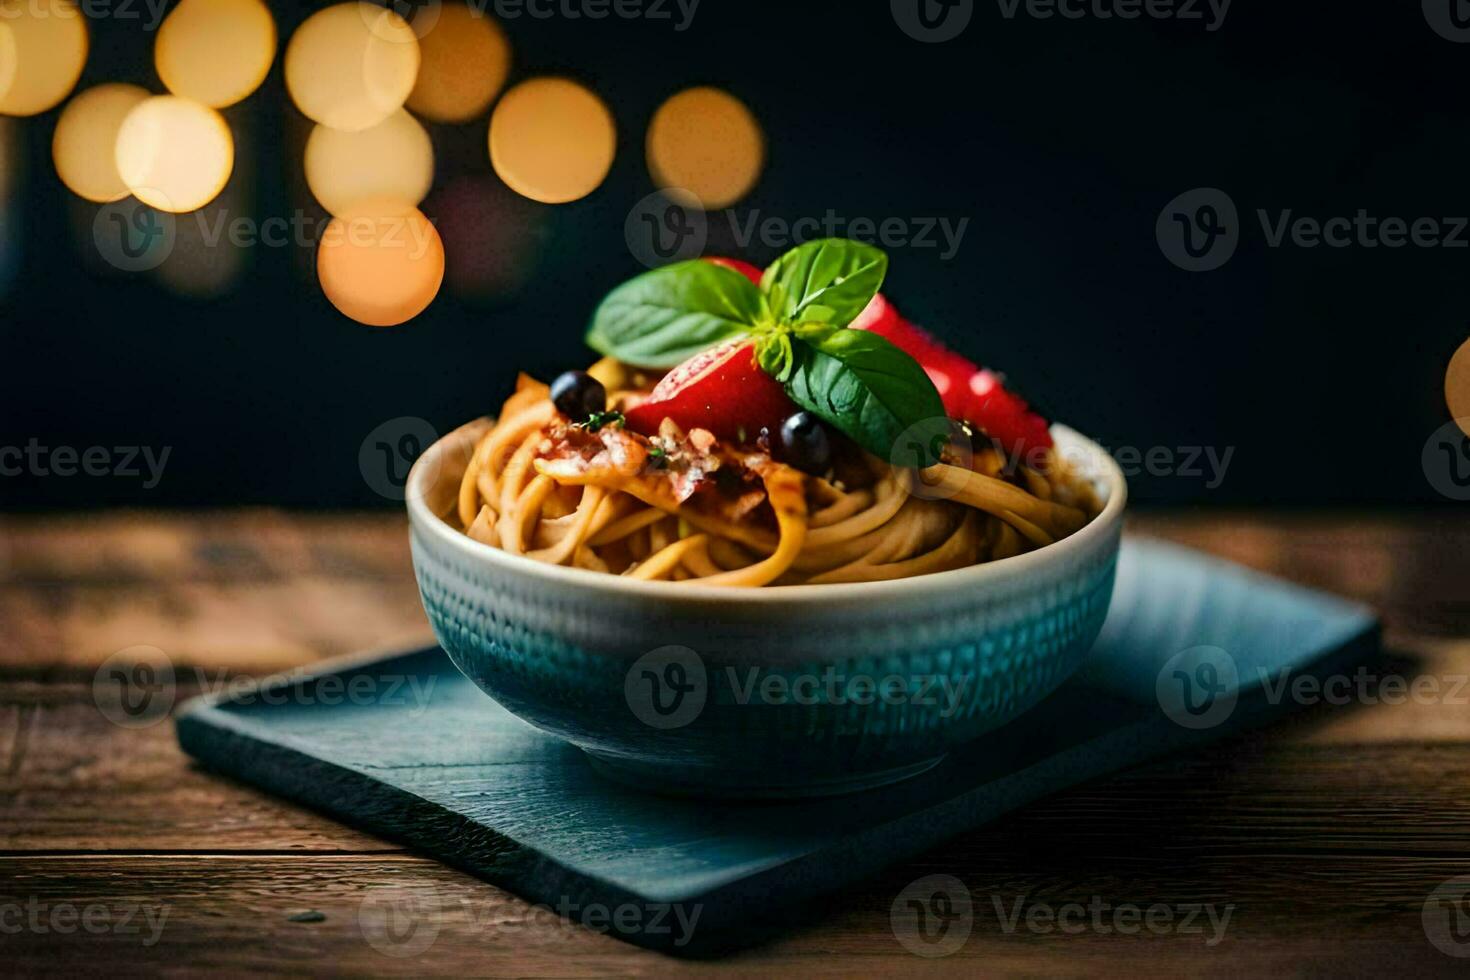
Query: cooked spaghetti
{"x": 686, "y": 506}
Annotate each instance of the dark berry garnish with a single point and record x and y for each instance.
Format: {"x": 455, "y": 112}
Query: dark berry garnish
{"x": 578, "y": 395}
{"x": 805, "y": 443}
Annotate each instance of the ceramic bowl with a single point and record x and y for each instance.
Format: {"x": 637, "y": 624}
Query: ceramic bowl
{"x": 791, "y": 691}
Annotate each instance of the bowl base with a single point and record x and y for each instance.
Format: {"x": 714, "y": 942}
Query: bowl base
{"x": 652, "y": 777}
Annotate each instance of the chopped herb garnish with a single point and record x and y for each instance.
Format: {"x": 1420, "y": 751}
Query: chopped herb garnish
{"x": 597, "y": 420}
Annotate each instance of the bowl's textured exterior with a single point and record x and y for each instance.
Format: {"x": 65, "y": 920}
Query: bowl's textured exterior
{"x": 761, "y": 692}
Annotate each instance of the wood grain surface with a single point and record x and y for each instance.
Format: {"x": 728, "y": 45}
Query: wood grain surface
{"x": 1325, "y": 835}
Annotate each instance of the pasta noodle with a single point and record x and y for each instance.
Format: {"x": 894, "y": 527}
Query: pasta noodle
{"x": 683, "y": 508}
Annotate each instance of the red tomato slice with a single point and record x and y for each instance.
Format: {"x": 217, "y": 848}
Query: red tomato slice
{"x": 969, "y": 392}
{"x": 722, "y": 390}
{"x": 744, "y": 268}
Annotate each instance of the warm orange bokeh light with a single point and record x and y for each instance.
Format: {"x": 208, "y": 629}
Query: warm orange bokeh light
{"x": 1457, "y": 386}
{"x": 466, "y": 59}
{"x": 43, "y": 46}
{"x": 704, "y": 142}
{"x": 85, "y": 142}
{"x": 174, "y": 154}
{"x": 215, "y": 51}
{"x": 381, "y": 263}
{"x": 552, "y": 140}
{"x": 352, "y": 65}
{"x": 392, "y": 160}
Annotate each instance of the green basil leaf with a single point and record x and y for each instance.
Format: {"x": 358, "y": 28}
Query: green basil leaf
{"x": 865, "y": 386}
{"x": 832, "y": 277}
{"x": 669, "y": 314}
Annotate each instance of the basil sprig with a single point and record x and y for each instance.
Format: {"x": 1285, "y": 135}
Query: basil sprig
{"x": 856, "y": 381}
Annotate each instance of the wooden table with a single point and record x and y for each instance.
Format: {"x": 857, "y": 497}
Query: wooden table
{"x": 1325, "y": 835}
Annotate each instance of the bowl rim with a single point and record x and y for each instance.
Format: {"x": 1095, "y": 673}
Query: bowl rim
{"x": 428, "y": 468}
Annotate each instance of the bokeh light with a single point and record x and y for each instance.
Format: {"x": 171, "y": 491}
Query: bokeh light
{"x": 215, "y": 51}
{"x": 380, "y": 264}
{"x": 1457, "y": 386}
{"x": 466, "y": 59}
{"x": 174, "y": 154}
{"x": 352, "y": 65}
{"x": 552, "y": 140}
{"x": 85, "y": 142}
{"x": 704, "y": 142}
{"x": 392, "y": 160}
{"x": 43, "y": 47}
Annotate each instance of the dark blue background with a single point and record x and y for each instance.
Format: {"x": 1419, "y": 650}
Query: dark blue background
{"x": 1060, "y": 140}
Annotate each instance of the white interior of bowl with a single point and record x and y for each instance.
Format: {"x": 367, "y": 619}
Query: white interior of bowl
{"x": 433, "y": 490}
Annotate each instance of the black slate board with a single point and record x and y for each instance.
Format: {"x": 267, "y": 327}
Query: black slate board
{"x": 419, "y": 755}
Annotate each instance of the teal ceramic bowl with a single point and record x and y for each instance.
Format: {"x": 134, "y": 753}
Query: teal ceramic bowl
{"x": 793, "y": 691}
